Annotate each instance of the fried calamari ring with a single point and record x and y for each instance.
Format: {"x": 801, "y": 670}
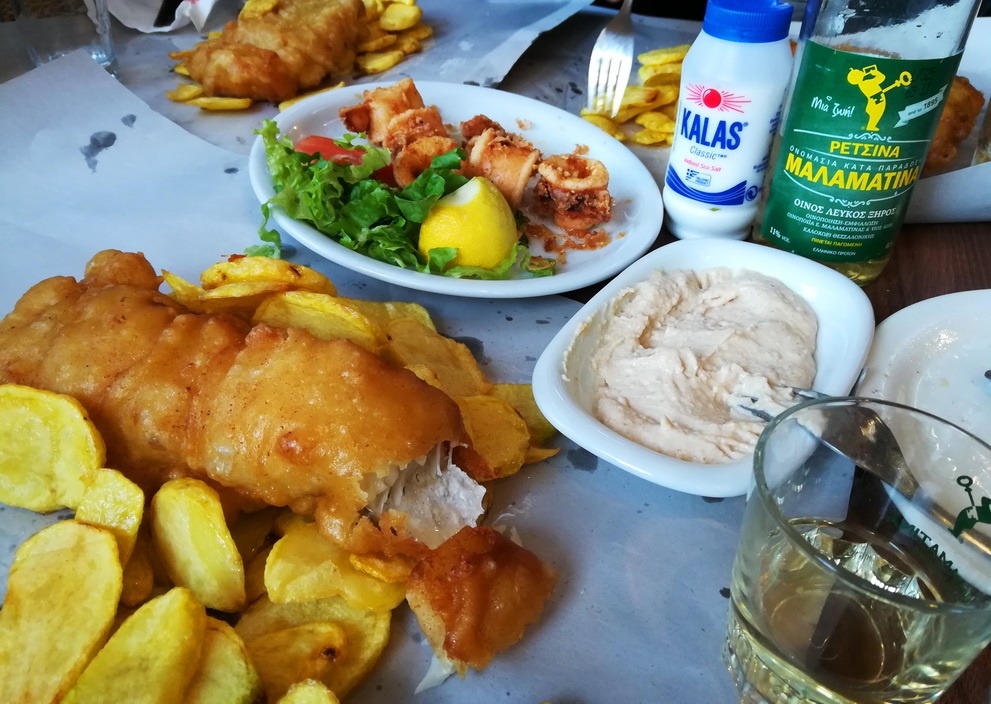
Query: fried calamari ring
{"x": 507, "y": 160}
{"x": 573, "y": 190}
{"x": 411, "y": 125}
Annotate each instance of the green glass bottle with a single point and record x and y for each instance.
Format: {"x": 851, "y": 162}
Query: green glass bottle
{"x": 871, "y": 80}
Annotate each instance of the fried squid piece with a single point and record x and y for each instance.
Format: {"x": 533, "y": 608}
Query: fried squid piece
{"x": 413, "y": 125}
{"x": 274, "y": 416}
{"x": 274, "y": 56}
{"x": 476, "y": 594}
{"x": 374, "y": 114}
{"x": 416, "y": 157}
{"x": 574, "y": 190}
{"x": 506, "y": 159}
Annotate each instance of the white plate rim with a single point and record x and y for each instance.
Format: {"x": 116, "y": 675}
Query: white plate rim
{"x": 803, "y": 276}
{"x": 643, "y": 230}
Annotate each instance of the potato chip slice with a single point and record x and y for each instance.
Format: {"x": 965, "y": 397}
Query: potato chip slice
{"x": 180, "y": 68}
{"x": 605, "y": 124}
{"x": 384, "y": 312}
{"x": 655, "y": 120}
{"x": 373, "y": 9}
{"x": 655, "y": 76}
{"x": 114, "y": 502}
{"x": 254, "y": 574}
{"x": 184, "y": 92}
{"x": 397, "y": 16}
{"x": 219, "y": 103}
{"x": 408, "y": 45}
{"x": 295, "y": 654}
{"x": 309, "y": 692}
{"x": 305, "y": 566}
{"x": 292, "y": 101}
{"x": 651, "y": 137}
{"x": 61, "y": 599}
{"x": 226, "y": 673}
{"x": 47, "y": 447}
{"x": 241, "y": 298}
{"x": 139, "y": 576}
{"x": 411, "y": 342}
{"x": 195, "y": 545}
{"x": 378, "y": 43}
{"x": 184, "y": 292}
{"x": 326, "y": 317}
{"x": 498, "y": 433}
{"x": 378, "y": 61}
{"x": 244, "y": 269}
{"x": 367, "y": 633}
{"x": 393, "y": 569}
{"x": 257, "y": 8}
{"x": 520, "y": 397}
{"x": 151, "y": 658}
{"x": 664, "y": 55}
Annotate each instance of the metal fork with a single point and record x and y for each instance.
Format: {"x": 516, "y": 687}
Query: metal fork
{"x": 611, "y": 63}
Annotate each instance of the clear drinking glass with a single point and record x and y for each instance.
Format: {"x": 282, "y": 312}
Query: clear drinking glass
{"x": 51, "y": 28}
{"x": 864, "y": 567}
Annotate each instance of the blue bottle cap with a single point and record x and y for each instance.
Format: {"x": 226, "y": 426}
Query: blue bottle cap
{"x": 747, "y": 21}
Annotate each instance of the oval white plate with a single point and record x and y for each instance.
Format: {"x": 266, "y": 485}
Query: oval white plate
{"x": 637, "y": 213}
{"x": 932, "y": 355}
{"x": 846, "y": 325}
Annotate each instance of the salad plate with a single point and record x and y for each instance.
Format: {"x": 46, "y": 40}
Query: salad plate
{"x": 637, "y": 207}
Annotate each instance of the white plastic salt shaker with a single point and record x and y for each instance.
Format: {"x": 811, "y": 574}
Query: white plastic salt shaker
{"x": 733, "y": 84}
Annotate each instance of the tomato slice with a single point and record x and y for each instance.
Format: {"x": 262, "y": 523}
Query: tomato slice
{"x": 328, "y": 149}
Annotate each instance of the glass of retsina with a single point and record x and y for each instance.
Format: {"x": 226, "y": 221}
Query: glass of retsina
{"x": 864, "y": 566}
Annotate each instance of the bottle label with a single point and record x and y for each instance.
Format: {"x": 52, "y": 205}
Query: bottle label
{"x": 853, "y": 146}
{"x": 721, "y": 145}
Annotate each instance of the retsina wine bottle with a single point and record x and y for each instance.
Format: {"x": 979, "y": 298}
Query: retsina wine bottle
{"x": 864, "y": 104}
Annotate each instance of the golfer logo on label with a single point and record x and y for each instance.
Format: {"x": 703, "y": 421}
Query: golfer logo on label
{"x": 973, "y": 514}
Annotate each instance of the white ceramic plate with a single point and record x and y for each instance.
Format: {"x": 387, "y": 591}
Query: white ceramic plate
{"x": 933, "y": 355}
{"x": 637, "y": 214}
{"x": 846, "y": 325}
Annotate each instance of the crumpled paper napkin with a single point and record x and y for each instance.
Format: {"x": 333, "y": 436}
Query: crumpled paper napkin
{"x": 141, "y": 14}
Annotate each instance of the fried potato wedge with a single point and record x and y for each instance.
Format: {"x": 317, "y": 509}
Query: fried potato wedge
{"x": 295, "y": 654}
{"x": 384, "y": 312}
{"x": 139, "y": 576}
{"x": 220, "y": 104}
{"x": 605, "y": 124}
{"x": 326, "y": 317}
{"x": 254, "y": 575}
{"x": 396, "y": 17}
{"x": 411, "y": 342}
{"x": 243, "y": 269}
{"x": 152, "y": 657}
{"x": 62, "y": 595}
{"x": 114, "y": 502}
{"x": 195, "y": 545}
{"x": 184, "y": 292}
{"x": 651, "y": 137}
{"x": 184, "y": 92}
{"x": 498, "y": 433}
{"x": 257, "y": 8}
{"x": 663, "y": 75}
{"x": 309, "y": 692}
{"x": 285, "y": 104}
{"x": 305, "y": 566}
{"x": 394, "y": 569}
{"x": 226, "y": 673}
{"x": 664, "y": 55}
{"x": 520, "y": 397}
{"x": 367, "y": 633}
{"x": 251, "y": 531}
{"x": 379, "y": 61}
{"x": 47, "y": 447}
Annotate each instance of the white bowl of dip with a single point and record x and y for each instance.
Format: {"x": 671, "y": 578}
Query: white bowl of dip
{"x": 565, "y": 383}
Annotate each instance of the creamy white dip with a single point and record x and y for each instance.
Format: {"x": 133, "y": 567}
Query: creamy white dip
{"x": 683, "y": 350}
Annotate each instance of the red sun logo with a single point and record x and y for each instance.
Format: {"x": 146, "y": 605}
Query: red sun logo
{"x": 714, "y": 99}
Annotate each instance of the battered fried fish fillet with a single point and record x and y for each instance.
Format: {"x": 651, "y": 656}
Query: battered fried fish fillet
{"x": 475, "y": 595}
{"x": 959, "y": 116}
{"x": 290, "y": 49}
{"x": 277, "y": 416}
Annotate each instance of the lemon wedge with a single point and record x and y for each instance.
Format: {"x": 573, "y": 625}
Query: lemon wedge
{"x": 476, "y": 220}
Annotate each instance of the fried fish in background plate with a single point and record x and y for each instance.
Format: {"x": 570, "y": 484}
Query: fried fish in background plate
{"x": 275, "y": 416}
{"x": 957, "y": 121}
{"x": 274, "y": 56}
